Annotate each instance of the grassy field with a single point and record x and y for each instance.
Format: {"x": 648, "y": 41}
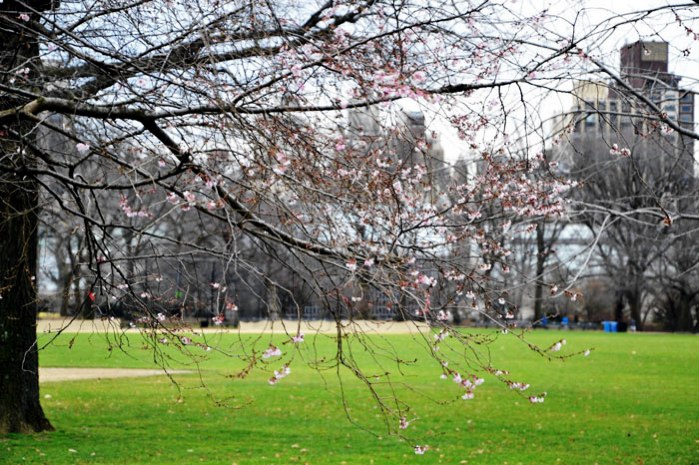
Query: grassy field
{"x": 632, "y": 401}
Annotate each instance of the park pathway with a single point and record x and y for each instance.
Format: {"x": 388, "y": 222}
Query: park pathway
{"x": 47, "y": 375}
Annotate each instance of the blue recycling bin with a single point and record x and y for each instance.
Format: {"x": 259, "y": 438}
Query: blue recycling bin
{"x": 610, "y": 326}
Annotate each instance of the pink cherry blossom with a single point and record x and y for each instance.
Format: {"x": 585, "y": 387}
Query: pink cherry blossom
{"x": 189, "y": 196}
{"x": 272, "y": 351}
{"x": 283, "y": 372}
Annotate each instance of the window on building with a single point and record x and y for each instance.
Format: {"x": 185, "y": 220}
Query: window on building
{"x": 590, "y": 120}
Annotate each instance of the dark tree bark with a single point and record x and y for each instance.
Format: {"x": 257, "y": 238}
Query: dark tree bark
{"x": 619, "y": 306}
{"x": 685, "y": 320}
{"x": 540, "y": 268}
{"x": 20, "y": 410}
{"x": 635, "y": 304}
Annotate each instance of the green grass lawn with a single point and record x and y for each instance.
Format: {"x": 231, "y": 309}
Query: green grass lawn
{"x": 632, "y": 401}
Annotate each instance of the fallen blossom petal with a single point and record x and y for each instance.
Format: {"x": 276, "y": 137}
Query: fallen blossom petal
{"x": 420, "y": 450}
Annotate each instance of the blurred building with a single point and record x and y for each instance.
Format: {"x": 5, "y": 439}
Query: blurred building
{"x": 628, "y": 114}
{"x": 403, "y": 137}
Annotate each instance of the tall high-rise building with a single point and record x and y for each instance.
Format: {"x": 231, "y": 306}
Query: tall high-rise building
{"x": 644, "y": 65}
{"x": 607, "y": 113}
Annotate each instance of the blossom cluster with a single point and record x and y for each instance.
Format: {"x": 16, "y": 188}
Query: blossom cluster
{"x": 272, "y": 351}
{"x": 283, "y": 372}
{"x": 469, "y": 383}
{"x": 623, "y": 152}
{"x": 557, "y": 346}
{"x": 129, "y": 212}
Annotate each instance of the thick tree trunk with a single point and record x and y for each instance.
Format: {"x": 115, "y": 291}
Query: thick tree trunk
{"x": 685, "y": 322}
{"x": 67, "y": 282}
{"x": 635, "y": 304}
{"x": 619, "y": 306}
{"x": 540, "y": 268}
{"x": 20, "y": 410}
{"x": 68, "y": 275}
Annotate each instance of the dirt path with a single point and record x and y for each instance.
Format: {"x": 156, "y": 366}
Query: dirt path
{"x": 47, "y": 375}
{"x": 246, "y": 327}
